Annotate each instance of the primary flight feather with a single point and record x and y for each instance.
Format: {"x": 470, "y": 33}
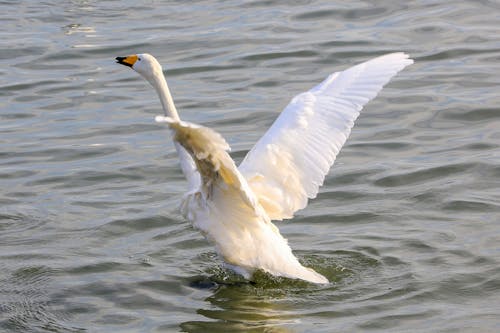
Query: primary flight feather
{"x": 233, "y": 206}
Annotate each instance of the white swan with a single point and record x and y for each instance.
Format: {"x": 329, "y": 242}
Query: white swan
{"x": 233, "y": 206}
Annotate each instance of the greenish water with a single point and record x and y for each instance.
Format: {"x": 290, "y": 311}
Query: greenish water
{"x": 405, "y": 227}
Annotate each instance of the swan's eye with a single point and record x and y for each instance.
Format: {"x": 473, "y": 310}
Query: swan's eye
{"x": 139, "y": 59}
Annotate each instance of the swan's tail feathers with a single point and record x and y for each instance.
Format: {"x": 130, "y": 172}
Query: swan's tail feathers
{"x": 209, "y": 151}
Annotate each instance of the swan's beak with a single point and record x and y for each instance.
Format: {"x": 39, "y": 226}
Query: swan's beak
{"x": 128, "y": 60}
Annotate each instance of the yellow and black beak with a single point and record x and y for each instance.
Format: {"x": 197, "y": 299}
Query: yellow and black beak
{"x": 128, "y": 60}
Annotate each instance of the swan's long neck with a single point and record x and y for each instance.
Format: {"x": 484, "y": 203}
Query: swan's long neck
{"x": 160, "y": 84}
{"x": 187, "y": 164}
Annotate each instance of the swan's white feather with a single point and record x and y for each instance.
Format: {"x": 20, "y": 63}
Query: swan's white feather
{"x": 288, "y": 164}
{"x": 227, "y": 212}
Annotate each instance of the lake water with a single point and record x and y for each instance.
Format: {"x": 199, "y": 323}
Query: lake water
{"x": 406, "y": 227}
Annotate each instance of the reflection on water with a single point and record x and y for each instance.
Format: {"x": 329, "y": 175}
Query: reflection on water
{"x": 274, "y": 304}
{"x": 243, "y": 308}
{"x": 405, "y": 226}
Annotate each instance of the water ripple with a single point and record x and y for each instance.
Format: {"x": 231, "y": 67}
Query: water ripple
{"x": 405, "y": 226}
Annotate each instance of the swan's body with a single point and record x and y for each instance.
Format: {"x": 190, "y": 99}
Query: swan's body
{"x": 233, "y": 206}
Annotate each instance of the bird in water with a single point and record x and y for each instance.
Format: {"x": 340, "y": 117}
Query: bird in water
{"x": 233, "y": 206}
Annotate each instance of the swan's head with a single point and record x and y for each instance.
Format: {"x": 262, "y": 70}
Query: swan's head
{"x": 144, "y": 64}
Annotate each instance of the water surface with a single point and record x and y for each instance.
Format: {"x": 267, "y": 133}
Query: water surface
{"x": 405, "y": 227}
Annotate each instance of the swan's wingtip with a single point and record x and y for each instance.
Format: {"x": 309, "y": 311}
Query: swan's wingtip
{"x": 402, "y": 59}
{"x": 406, "y": 57}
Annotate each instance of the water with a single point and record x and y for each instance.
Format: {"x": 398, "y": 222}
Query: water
{"x": 405, "y": 227}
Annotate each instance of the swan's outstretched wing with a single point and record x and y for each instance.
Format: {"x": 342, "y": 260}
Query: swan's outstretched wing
{"x": 208, "y": 150}
{"x": 289, "y": 163}
{"x": 188, "y": 167}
